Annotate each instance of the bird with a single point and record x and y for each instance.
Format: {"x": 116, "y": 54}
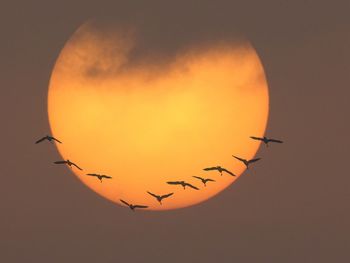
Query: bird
{"x": 69, "y": 163}
{"x": 219, "y": 169}
{"x": 160, "y": 197}
{"x": 184, "y": 184}
{"x": 266, "y": 140}
{"x": 246, "y": 162}
{"x": 131, "y": 206}
{"x": 100, "y": 176}
{"x": 204, "y": 180}
{"x": 49, "y": 138}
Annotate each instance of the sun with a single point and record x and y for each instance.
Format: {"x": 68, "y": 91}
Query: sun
{"x": 148, "y": 121}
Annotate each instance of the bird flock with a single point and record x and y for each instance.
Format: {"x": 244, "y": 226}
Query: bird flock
{"x": 184, "y": 184}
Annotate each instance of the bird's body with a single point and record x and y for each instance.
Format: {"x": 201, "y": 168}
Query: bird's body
{"x": 69, "y": 163}
{"x": 100, "y": 176}
{"x": 183, "y": 184}
{"x": 219, "y": 169}
{"x": 266, "y": 140}
{"x": 49, "y": 138}
{"x": 160, "y": 197}
{"x": 133, "y": 207}
{"x": 204, "y": 180}
{"x": 246, "y": 162}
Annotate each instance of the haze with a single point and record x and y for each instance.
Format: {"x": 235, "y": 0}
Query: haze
{"x": 292, "y": 208}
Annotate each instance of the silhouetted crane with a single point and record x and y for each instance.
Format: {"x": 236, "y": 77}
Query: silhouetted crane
{"x": 204, "y": 180}
{"x": 133, "y": 207}
{"x": 49, "y": 138}
{"x": 100, "y": 176}
{"x": 266, "y": 140}
{"x": 160, "y": 197}
{"x": 246, "y": 162}
{"x": 219, "y": 169}
{"x": 69, "y": 163}
{"x": 184, "y": 184}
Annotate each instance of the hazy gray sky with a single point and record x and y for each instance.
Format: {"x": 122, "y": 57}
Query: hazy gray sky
{"x": 293, "y": 208}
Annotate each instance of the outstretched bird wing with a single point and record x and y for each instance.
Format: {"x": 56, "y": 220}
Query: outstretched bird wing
{"x": 274, "y": 140}
{"x": 210, "y": 180}
{"x": 257, "y": 138}
{"x": 198, "y": 177}
{"x": 210, "y": 168}
{"x": 42, "y": 139}
{"x": 106, "y": 176}
{"x": 192, "y": 186}
{"x": 167, "y": 195}
{"x": 229, "y": 172}
{"x": 92, "y": 175}
{"x": 140, "y": 206}
{"x": 77, "y": 166}
{"x": 254, "y": 160}
{"x": 156, "y": 196}
{"x": 238, "y": 158}
{"x": 60, "y": 162}
{"x": 124, "y": 202}
{"x": 175, "y": 182}
{"x": 53, "y": 138}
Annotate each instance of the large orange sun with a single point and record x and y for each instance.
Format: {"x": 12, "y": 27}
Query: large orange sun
{"x": 148, "y": 121}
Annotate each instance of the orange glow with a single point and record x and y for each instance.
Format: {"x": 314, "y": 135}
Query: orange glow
{"x": 148, "y": 123}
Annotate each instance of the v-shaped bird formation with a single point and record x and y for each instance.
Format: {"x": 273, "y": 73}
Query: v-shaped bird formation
{"x": 184, "y": 184}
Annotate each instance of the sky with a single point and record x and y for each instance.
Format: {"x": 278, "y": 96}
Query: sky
{"x": 294, "y": 207}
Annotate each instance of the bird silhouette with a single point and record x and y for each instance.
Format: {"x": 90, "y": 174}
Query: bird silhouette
{"x": 219, "y": 169}
{"x": 204, "y": 180}
{"x": 184, "y": 184}
{"x": 160, "y": 197}
{"x": 49, "y": 138}
{"x": 266, "y": 140}
{"x": 69, "y": 163}
{"x": 246, "y": 162}
{"x": 100, "y": 176}
{"x": 133, "y": 207}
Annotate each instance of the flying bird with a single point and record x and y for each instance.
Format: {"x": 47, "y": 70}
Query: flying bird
{"x": 100, "y": 176}
{"x": 184, "y": 184}
{"x": 204, "y": 180}
{"x": 265, "y": 140}
{"x": 160, "y": 197}
{"x": 219, "y": 169}
{"x": 246, "y": 162}
{"x": 49, "y": 138}
{"x": 133, "y": 207}
{"x": 69, "y": 163}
